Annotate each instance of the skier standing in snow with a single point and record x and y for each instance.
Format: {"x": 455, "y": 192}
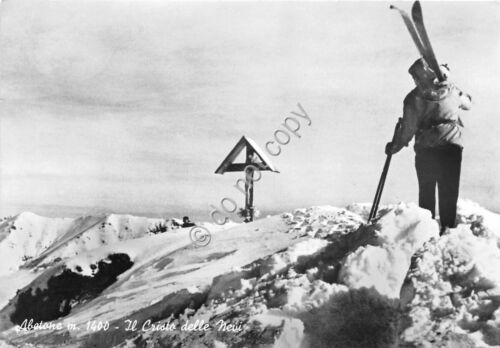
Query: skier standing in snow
{"x": 431, "y": 114}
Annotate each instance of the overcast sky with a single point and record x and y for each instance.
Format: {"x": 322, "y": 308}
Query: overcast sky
{"x": 131, "y": 106}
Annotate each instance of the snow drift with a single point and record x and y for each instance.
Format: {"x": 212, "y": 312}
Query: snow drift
{"x": 314, "y": 277}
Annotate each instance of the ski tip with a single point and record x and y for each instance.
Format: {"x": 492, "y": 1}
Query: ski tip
{"x": 392, "y": 7}
{"x": 416, "y": 5}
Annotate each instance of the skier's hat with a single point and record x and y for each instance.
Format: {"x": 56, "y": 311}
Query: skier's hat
{"x": 419, "y": 66}
{"x": 420, "y": 69}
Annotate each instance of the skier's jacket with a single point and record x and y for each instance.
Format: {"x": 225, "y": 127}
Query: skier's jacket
{"x": 433, "y": 117}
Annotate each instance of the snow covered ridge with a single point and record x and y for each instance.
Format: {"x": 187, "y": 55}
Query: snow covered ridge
{"x": 313, "y": 277}
{"x": 26, "y": 237}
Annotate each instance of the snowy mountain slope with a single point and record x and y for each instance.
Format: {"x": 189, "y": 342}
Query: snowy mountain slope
{"x": 26, "y": 236}
{"x": 77, "y": 227}
{"x": 94, "y": 232}
{"x": 29, "y": 239}
{"x": 310, "y": 278}
{"x": 168, "y": 263}
{"x": 33, "y": 243}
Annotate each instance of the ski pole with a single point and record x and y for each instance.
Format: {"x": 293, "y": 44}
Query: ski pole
{"x": 381, "y": 183}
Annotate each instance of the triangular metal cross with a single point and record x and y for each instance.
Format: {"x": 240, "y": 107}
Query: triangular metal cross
{"x": 254, "y": 156}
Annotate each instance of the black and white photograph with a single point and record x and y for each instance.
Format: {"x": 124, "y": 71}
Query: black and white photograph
{"x": 240, "y": 174}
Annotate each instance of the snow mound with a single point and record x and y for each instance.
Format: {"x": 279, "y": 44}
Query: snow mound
{"x": 402, "y": 231}
{"x": 455, "y": 284}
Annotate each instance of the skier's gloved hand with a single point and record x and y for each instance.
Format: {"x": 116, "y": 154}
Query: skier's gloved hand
{"x": 445, "y": 71}
{"x": 389, "y": 148}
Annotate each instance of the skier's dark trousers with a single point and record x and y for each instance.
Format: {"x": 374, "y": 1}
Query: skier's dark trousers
{"x": 431, "y": 114}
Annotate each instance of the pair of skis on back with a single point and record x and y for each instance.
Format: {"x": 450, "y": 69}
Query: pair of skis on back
{"x": 418, "y": 33}
{"x": 419, "y": 36}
